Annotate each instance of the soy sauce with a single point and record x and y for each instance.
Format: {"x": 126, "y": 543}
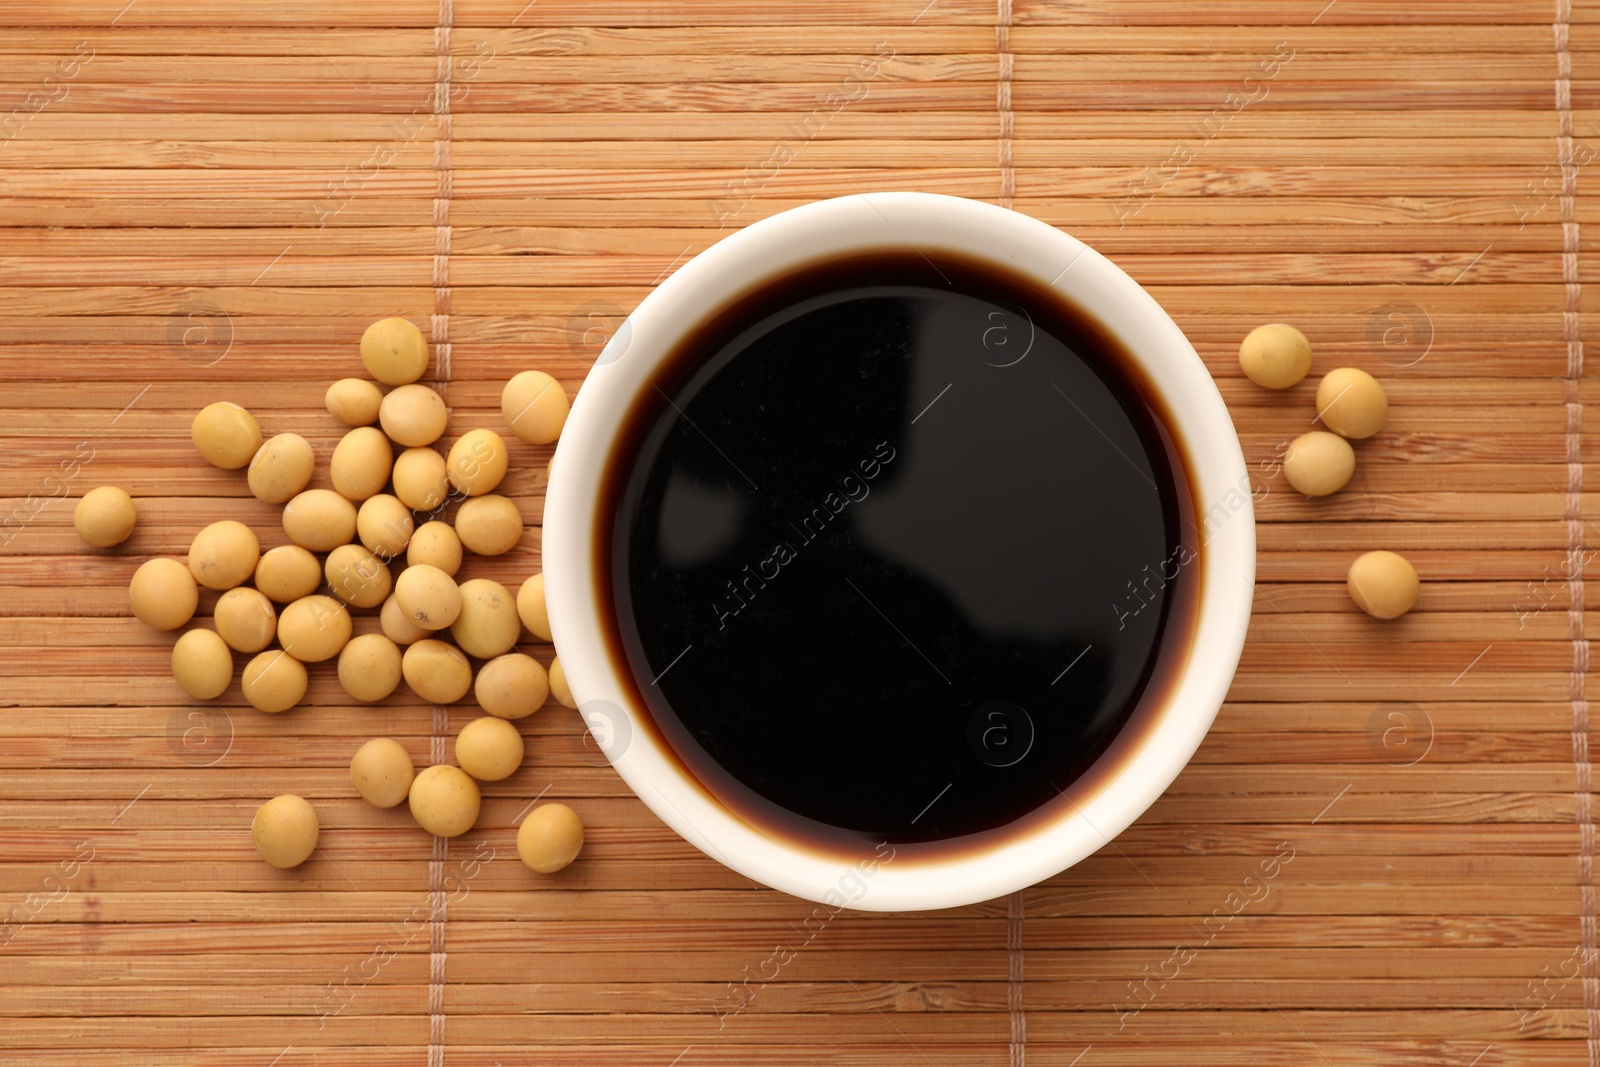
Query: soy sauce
{"x": 893, "y": 549}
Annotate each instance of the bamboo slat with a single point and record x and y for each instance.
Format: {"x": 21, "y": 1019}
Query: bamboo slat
{"x": 190, "y": 211}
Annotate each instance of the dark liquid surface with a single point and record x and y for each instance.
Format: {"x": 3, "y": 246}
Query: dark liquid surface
{"x": 892, "y": 551}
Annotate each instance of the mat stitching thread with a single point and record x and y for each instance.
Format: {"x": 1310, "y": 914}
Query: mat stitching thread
{"x": 440, "y": 330}
{"x": 1014, "y": 977}
{"x": 441, "y": 199}
{"x": 1008, "y": 190}
{"x": 1002, "y": 90}
{"x": 1583, "y": 772}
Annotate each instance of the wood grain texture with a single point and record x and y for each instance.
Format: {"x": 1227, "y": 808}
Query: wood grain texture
{"x": 190, "y": 210}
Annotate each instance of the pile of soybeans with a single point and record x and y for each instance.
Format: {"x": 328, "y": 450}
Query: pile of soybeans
{"x": 361, "y": 547}
{"x": 1353, "y": 406}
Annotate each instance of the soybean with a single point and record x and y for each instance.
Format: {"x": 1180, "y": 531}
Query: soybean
{"x": 488, "y": 625}
{"x": 394, "y": 351}
{"x": 354, "y": 401}
{"x": 399, "y": 627}
{"x": 361, "y": 463}
{"x": 274, "y": 681}
{"x": 535, "y": 407}
{"x": 382, "y": 772}
{"x": 436, "y": 672}
{"x": 281, "y": 468}
{"x": 1351, "y": 403}
{"x": 436, "y": 544}
{"x": 428, "y": 596}
{"x": 226, "y": 435}
{"x": 319, "y": 520}
{"x": 245, "y": 619}
{"x": 285, "y": 830}
{"x": 558, "y": 684}
{"x": 512, "y": 686}
{"x": 163, "y": 594}
{"x": 531, "y": 608}
{"x": 413, "y": 415}
{"x": 1275, "y": 356}
{"x": 419, "y": 479}
{"x": 369, "y": 668}
{"x": 490, "y": 525}
{"x": 104, "y": 517}
{"x": 1319, "y": 463}
{"x": 287, "y": 573}
{"x": 490, "y": 749}
{"x": 477, "y": 462}
{"x": 445, "y": 800}
{"x": 314, "y": 628}
{"x": 550, "y": 838}
{"x": 224, "y": 554}
{"x": 202, "y": 664}
{"x": 1383, "y": 584}
{"x": 384, "y": 525}
{"x": 357, "y": 576}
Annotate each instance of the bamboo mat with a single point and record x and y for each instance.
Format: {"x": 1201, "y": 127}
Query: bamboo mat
{"x": 208, "y": 200}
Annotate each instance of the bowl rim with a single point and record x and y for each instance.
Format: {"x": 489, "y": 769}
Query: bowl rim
{"x": 874, "y": 221}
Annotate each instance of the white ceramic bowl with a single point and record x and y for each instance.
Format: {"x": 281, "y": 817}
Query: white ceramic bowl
{"x": 773, "y": 247}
